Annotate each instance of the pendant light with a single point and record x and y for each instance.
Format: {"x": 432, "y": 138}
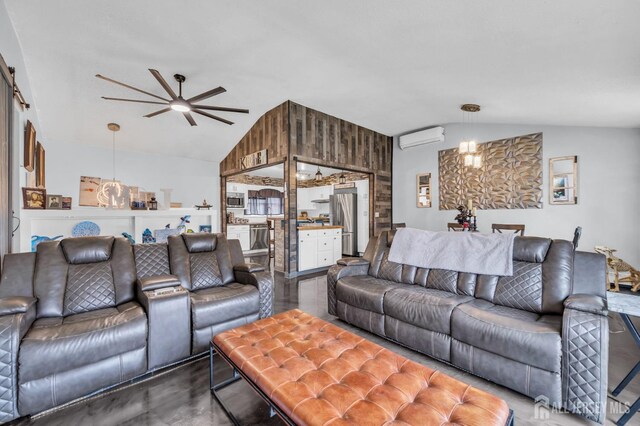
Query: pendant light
{"x": 469, "y": 147}
{"x": 318, "y": 175}
{"x": 342, "y": 179}
{"x": 112, "y": 193}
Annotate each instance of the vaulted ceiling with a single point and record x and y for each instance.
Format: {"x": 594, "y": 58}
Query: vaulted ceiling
{"x": 390, "y": 66}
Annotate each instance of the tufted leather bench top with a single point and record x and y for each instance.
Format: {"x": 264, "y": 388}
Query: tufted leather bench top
{"x": 320, "y": 374}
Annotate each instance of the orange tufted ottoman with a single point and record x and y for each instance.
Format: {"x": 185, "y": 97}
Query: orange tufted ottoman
{"x": 312, "y": 372}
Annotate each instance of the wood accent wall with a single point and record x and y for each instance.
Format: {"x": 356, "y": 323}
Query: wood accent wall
{"x": 292, "y": 132}
{"x": 322, "y": 139}
{"x": 270, "y": 132}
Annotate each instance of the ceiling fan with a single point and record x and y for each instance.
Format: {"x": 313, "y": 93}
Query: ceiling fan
{"x": 177, "y": 102}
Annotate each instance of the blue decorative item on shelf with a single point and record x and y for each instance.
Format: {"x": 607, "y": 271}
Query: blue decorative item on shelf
{"x": 129, "y": 238}
{"x": 37, "y": 239}
{"x": 147, "y": 237}
{"x": 184, "y": 220}
{"x": 85, "y": 229}
{"x": 205, "y": 228}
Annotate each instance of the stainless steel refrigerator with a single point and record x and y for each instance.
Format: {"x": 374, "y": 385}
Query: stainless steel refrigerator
{"x": 344, "y": 212}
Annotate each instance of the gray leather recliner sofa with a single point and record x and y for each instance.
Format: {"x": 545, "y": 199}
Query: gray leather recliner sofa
{"x": 84, "y": 314}
{"x": 542, "y": 332}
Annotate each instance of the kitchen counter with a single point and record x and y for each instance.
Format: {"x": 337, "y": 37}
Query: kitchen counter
{"x": 317, "y": 227}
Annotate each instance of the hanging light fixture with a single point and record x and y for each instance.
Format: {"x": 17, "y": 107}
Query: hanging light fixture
{"x": 342, "y": 178}
{"x": 469, "y": 148}
{"x": 112, "y": 193}
{"x": 318, "y": 175}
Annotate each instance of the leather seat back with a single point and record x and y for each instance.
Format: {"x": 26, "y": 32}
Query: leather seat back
{"x": 83, "y": 274}
{"x": 151, "y": 259}
{"x": 381, "y": 267}
{"x": 200, "y": 260}
{"x": 541, "y": 281}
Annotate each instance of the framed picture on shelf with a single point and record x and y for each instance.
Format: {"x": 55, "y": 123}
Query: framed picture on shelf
{"x": 54, "y": 202}
{"x": 66, "y": 203}
{"x": 89, "y": 191}
{"x": 34, "y": 198}
{"x": 40, "y": 166}
{"x": 205, "y": 228}
{"x": 29, "y": 147}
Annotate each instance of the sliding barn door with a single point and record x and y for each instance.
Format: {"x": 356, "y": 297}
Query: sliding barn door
{"x": 6, "y": 103}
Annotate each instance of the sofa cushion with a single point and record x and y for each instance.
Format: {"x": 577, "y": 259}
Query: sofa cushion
{"x": 512, "y": 333}
{"x": 424, "y": 307}
{"x": 365, "y": 292}
{"x": 55, "y": 345}
{"x": 200, "y": 242}
{"x": 215, "y": 305}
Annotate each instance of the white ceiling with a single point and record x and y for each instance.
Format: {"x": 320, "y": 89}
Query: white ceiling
{"x": 390, "y": 66}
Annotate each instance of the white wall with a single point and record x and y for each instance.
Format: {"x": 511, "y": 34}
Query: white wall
{"x": 608, "y": 178}
{"x": 12, "y": 54}
{"x": 191, "y": 180}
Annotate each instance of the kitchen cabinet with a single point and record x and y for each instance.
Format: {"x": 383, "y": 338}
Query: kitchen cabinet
{"x": 319, "y": 248}
{"x": 240, "y": 232}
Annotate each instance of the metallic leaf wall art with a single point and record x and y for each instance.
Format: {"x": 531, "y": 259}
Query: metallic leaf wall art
{"x": 510, "y": 176}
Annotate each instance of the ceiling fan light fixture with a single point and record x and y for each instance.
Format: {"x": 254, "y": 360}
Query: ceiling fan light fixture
{"x": 180, "y": 105}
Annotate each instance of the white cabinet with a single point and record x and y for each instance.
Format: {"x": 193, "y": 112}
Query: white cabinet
{"x": 307, "y": 251}
{"x": 240, "y": 232}
{"x": 318, "y": 248}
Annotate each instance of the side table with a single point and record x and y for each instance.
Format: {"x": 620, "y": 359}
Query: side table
{"x": 626, "y": 305}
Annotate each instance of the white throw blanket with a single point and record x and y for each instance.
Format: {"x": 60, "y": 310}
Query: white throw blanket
{"x": 489, "y": 254}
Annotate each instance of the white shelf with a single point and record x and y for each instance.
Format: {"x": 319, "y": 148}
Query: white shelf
{"x": 51, "y": 223}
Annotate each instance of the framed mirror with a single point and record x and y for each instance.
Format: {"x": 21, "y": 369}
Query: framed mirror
{"x": 563, "y": 180}
{"x": 423, "y": 190}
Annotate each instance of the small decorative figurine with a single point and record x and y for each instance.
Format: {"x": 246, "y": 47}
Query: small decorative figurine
{"x": 190, "y": 231}
{"x": 617, "y": 265}
{"x": 129, "y": 238}
{"x": 147, "y": 237}
{"x": 204, "y": 205}
{"x": 37, "y": 239}
{"x": 153, "y": 204}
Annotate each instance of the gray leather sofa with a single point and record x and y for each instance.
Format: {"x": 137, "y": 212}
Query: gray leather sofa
{"x": 542, "y": 332}
{"x": 83, "y": 314}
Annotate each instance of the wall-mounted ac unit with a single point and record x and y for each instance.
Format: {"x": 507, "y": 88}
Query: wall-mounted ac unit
{"x": 435, "y": 134}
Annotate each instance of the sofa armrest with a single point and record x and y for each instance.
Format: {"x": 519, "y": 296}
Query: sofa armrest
{"x": 249, "y": 267}
{"x": 589, "y": 303}
{"x": 16, "y": 305}
{"x": 168, "y": 309}
{"x": 352, "y": 261}
{"x": 336, "y": 272}
{"x": 18, "y": 314}
{"x": 263, "y": 282}
{"x": 585, "y": 356}
{"x": 157, "y": 282}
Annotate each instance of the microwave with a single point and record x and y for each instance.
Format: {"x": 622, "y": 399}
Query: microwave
{"x": 235, "y": 200}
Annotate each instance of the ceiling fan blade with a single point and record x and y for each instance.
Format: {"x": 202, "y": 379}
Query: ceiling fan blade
{"x": 164, "y": 83}
{"x": 215, "y": 108}
{"x": 133, "y": 100}
{"x": 162, "y": 111}
{"x": 190, "y": 119}
{"x": 211, "y": 116}
{"x": 207, "y": 94}
{"x": 130, "y": 87}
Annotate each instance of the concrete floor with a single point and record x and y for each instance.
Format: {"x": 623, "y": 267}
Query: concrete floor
{"x": 181, "y": 396}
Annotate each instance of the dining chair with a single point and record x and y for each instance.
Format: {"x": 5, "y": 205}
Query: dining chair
{"x": 455, "y": 226}
{"x": 518, "y": 229}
